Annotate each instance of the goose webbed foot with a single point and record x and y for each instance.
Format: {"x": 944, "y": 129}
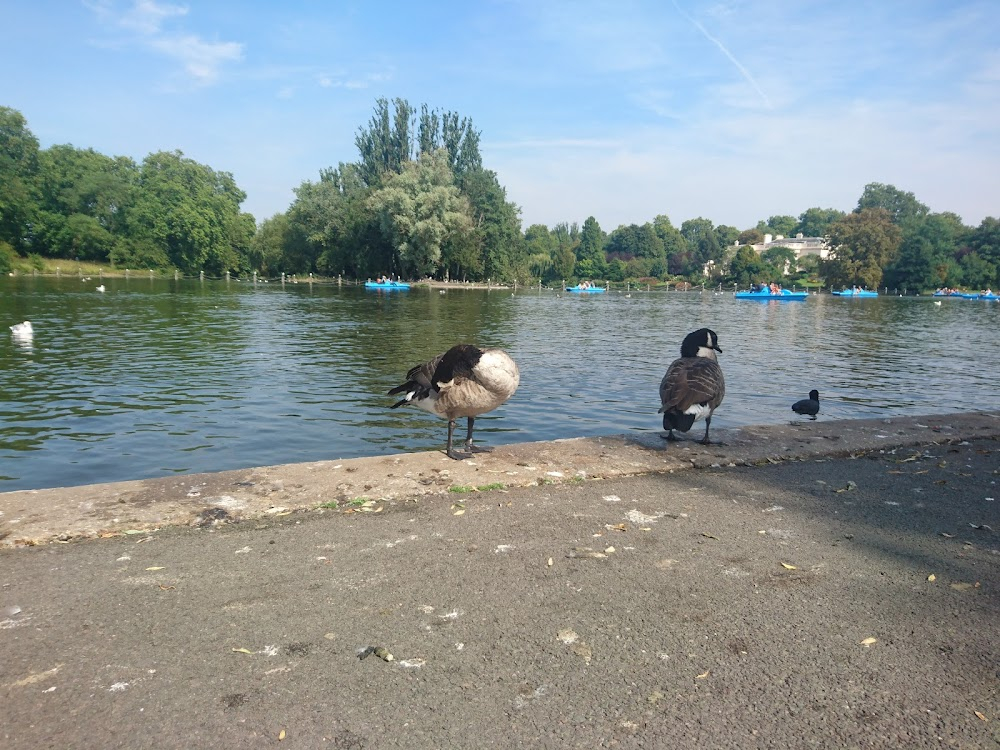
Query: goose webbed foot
{"x": 670, "y": 437}
{"x": 477, "y": 449}
{"x": 456, "y": 455}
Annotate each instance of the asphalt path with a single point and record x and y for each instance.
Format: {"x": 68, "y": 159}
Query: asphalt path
{"x": 832, "y": 603}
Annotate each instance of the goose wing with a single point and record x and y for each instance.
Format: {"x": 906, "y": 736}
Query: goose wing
{"x": 690, "y": 381}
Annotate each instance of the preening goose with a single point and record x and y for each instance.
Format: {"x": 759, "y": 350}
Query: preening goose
{"x": 693, "y": 386}
{"x": 465, "y": 381}
{"x": 808, "y": 406}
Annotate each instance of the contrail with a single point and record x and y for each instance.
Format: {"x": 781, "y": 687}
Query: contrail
{"x": 727, "y": 53}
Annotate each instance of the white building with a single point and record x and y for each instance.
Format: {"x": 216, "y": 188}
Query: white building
{"x": 798, "y": 244}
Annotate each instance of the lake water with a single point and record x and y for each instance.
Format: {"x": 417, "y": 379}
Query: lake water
{"x": 160, "y": 377}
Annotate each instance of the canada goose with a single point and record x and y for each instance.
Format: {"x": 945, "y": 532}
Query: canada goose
{"x": 465, "y": 381}
{"x": 808, "y": 406}
{"x": 22, "y": 330}
{"x": 693, "y": 386}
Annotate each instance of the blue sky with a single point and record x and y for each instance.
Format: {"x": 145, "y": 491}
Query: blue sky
{"x": 623, "y": 110}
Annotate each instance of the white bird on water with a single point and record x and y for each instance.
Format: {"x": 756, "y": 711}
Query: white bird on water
{"x": 22, "y": 330}
{"x": 100, "y": 288}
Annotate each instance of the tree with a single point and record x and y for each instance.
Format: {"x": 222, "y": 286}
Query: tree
{"x": 783, "y": 225}
{"x": 424, "y": 217}
{"x": 634, "y": 241}
{"x": 386, "y": 143}
{"x": 703, "y": 244}
{"x": 864, "y": 243}
{"x": 985, "y": 240}
{"x": 591, "y": 262}
{"x": 727, "y": 236}
{"x": 540, "y": 247}
{"x": 497, "y": 226}
{"x": 188, "y": 214}
{"x": 268, "y": 245}
{"x": 779, "y": 258}
{"x": 814, "y": 222}
{"x": 84, "y": 198}
{"x": 903, "y": 208}
{"x": 927, "y": 246}
{"x": 751, "y": 237}
{"x": 748, "y": 268}
{"x": 18, "y": 169}
{"x": 674, "y": 245}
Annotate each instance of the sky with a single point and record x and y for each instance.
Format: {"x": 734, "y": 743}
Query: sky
{"x": 622, "y": 110}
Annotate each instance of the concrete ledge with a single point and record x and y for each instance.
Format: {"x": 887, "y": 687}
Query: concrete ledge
{"x": 39, "y": 516}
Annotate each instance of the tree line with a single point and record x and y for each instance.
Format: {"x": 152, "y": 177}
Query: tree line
{"x": 418, "y": 202}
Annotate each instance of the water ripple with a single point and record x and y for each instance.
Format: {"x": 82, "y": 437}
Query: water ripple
{"x": 155, "y": 378}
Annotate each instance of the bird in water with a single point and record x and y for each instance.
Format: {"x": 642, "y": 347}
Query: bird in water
{"x": 808, "y": 406}
{"x": 22, "y": 330}
{"x": 465, "y": 381}
{"x": 693, "y": 386}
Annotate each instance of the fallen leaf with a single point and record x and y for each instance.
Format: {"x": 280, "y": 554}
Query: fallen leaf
{"x": 242, "y": 651}
{"x": 156, "y": 567}
{"x": 704, "y": 674}
{"x": 459, "y": 512}
{"x": 281, "y": 735}
{"x": 981, "y": 715}
{"x": 868, "y": 642}
{"x": 961, "y": 586}
{"x": 609, "y": 550}
{"x": 709, "y": 536}
{"x": 619, "y": 527}
{"x": 932, "y": 577}
{"x": 786, "y": 566}
{"x": 165, "y": 588}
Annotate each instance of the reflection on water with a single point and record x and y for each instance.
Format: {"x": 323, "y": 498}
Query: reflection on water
{"x": 160, "y": 377}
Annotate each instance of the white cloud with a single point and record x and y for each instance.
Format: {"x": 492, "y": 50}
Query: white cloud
{"x": 144, "y": 22}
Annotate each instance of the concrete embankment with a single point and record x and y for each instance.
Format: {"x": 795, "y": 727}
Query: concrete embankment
{"x": 39, "y": 516}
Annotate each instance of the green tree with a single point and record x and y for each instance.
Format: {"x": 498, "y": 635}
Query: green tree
{"x": 187, "y": 214}
{"x": 928, "y": 244}
{"x": 903, "y": 208}
{"x": 985, "y": 240}
{"x": 634, "y": 241}
{"x": 268, "y": 245}
{"x": 675, "y": 247}
{"x": 779, "y": 258}
{"x": 540, "y": 247}
{"x": 864, "y": 243}
{"x": 783, "y": 225}
{"x": 977, "y": 272}
{"x": 814, "y": 222}
{"x": 84, "y": 198}
{"x": 703, "y": 245}
{"x": 423, "y": 216}
{"x": 751, "y": 237}
{"x": 18, "y": 170}
{"x": 748, "y": 268}
{"x": 567, "y": 239}
{"x": 497, "y": 227}
{"x": 727, "y": 236}
{"x": 386, "y": 143}
{"x": 591, "y": 261}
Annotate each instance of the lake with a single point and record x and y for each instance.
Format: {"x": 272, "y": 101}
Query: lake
{"x": 159, "y": 377}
